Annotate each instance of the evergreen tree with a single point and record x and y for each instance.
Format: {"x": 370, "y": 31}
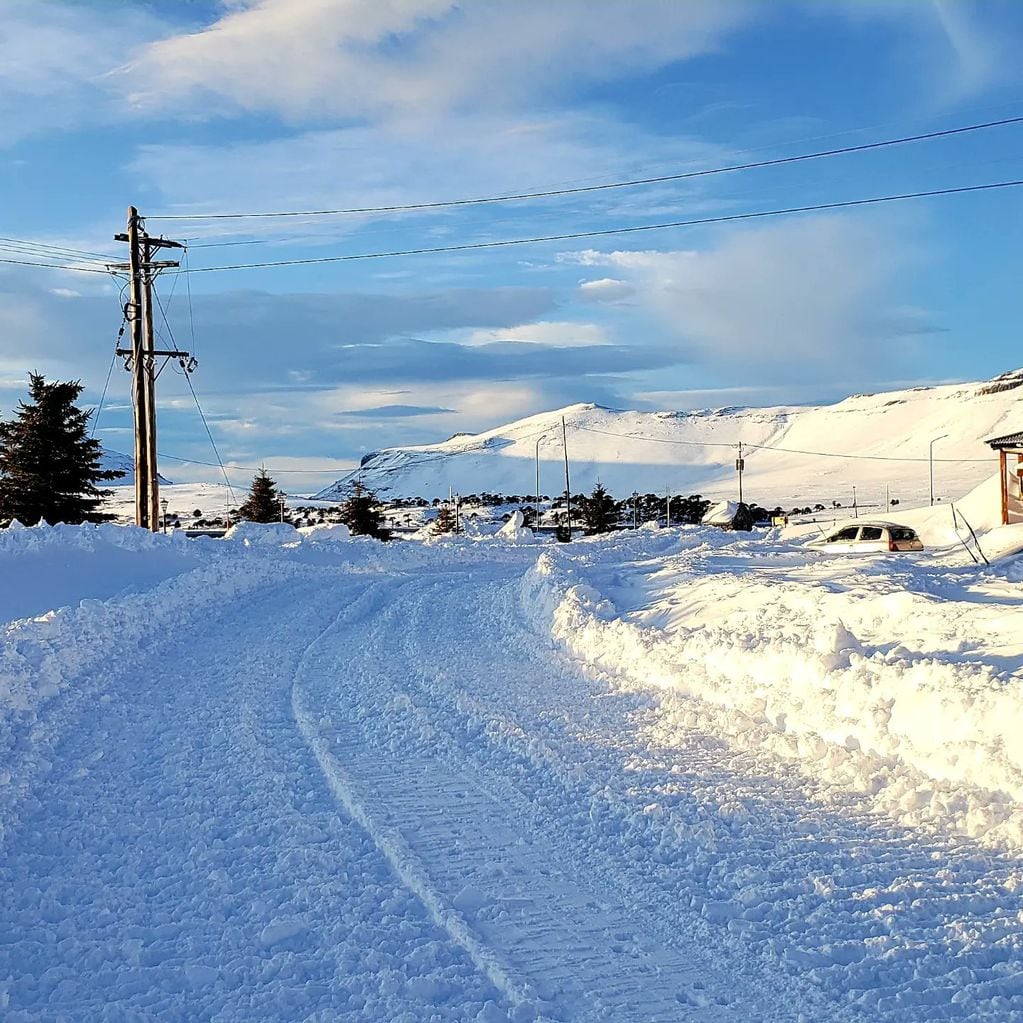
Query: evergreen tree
{"x": 445, "y": 520}
{"x": 49, "y": 466}
{"x": 361, "y": 514}
{"x": 264, "y": 502}
{"x": 599, "y": 512}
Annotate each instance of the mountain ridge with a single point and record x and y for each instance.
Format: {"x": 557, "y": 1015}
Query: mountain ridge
{"x": 793, "y": 453}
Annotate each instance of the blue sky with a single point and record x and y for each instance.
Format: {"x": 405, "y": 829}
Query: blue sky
{"x": 261, "y": 105}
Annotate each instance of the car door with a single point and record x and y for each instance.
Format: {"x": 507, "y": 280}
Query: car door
{"x": 843, "y": 541}
{"x": 872, "y": 540}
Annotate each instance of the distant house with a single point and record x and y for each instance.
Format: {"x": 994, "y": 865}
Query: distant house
{"x": 1010, "y": 471}
{"x": 730, "y": 515}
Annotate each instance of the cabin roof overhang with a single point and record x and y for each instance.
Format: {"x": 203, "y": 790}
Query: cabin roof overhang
{"x": 1009, "y": 442}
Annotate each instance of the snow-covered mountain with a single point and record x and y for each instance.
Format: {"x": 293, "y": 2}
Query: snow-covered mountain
{"x": 794, "y": 455}
{"x": 122, "y": 463}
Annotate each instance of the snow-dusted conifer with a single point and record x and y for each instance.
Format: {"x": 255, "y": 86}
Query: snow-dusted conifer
{"x": 264, "y": 502}
{"x": 361, "y": 514}
{"x": 49, "y": 465}
{"x": 599, "y": 512}
{"x": 445, "y": 520}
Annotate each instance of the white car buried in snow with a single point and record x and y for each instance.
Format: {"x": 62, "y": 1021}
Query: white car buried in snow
{"x": 870, "y": 538}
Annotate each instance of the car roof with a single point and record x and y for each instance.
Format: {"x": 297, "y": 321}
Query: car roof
{"x": 884, "y": 524}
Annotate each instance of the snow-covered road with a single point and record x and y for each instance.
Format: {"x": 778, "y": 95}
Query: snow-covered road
{"x": 371, "y": 786}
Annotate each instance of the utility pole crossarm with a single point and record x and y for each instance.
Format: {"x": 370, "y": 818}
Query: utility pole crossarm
{"x": 154, "y": 243}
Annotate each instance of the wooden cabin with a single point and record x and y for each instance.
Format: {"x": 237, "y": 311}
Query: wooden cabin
{"x": 1010, "y": 462}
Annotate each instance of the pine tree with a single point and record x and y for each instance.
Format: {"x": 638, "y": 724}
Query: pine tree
{"x": 445, "y": 520}
{"x": 264, "y": 502}
{"x": 361, "y": 514}
{"x": 599, "y": 512}
{"x": 49, "y": 465}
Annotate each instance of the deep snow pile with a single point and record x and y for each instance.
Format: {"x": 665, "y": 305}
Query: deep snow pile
{"x": 515, "y": 530}
{"x": 893, "y": 678}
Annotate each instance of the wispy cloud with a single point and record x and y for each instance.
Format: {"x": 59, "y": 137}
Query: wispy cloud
{"x": 795, "y": 301}
{"x": 355, "y": 58}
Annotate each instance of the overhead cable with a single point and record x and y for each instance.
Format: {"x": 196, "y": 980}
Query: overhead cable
{"x": 611, "y": 232}
{"x": 552, "y": 192}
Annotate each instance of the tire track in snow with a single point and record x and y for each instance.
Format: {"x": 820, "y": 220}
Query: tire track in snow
{"x": 389, "y": 840}
{"x": 183, "y": 861}
{"x": 545, "y": 942}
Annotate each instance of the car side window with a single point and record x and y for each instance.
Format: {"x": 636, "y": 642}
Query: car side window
{"x": 871, "y": 533}
{"x": 844, "y": 535}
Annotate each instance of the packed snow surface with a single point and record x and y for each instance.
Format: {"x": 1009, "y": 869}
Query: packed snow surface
{"x": 668, "y": 775}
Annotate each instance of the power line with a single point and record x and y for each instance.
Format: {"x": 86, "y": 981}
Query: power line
{"x": 62, "y": 266}
{"x": 63, "y": 250}
{"x": 610, "y": 232}
{"x": 103, "y": 396}
{"x": 658, "y": 440}
{"x": 552, "y": 192}
{"x": 209, "y": 433}
{"x": 250, "y": 468}
{"x": 869, "y": 458}
{"x": 769, "y": 447}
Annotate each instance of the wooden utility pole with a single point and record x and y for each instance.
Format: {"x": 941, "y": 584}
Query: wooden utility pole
{"x": 151, "y": 496}
{"x": 141, "y": 358}
{"x": 139, "y": 376}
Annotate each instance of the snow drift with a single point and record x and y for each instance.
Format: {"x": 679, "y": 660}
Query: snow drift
{"x": 860, "y": 674}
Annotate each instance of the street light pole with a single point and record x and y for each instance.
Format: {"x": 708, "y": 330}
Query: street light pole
{"x": 163, "y": 508}
{"x": 537, "y": 494}
{"x": 930, "y": 463}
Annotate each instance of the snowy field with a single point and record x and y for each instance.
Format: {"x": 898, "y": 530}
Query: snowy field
{"x": 671, "y": 775}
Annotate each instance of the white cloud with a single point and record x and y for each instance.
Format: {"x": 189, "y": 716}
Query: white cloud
{"x": 795, "y": 300}
{"x": 546, "y": 332}
{"x": 397, "y": 163}
{"x": 605, "y": 289}
{"x": 413, "y": 57}
{"x": 53, "y": 60}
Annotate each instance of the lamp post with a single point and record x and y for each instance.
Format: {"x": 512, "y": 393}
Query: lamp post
{"x": 537, "y": 492}
{"x": 163, "y": 508}
{"x": 930, "y": 462}
{"x": 282, "y": 497}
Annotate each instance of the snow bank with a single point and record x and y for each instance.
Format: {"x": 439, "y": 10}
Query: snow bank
{"x": 263, "y": 534}
{"x": 82, "y": 647}
{"x": 872, "y": 688}
{"x": 330, "y": 532}
{"x": 46, "y": 567}
{"x": 946, "y": 526}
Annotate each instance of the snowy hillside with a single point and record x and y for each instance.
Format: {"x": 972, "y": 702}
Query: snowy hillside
{"x": 791, "y": 452}
{"x": 122, "y": 463}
